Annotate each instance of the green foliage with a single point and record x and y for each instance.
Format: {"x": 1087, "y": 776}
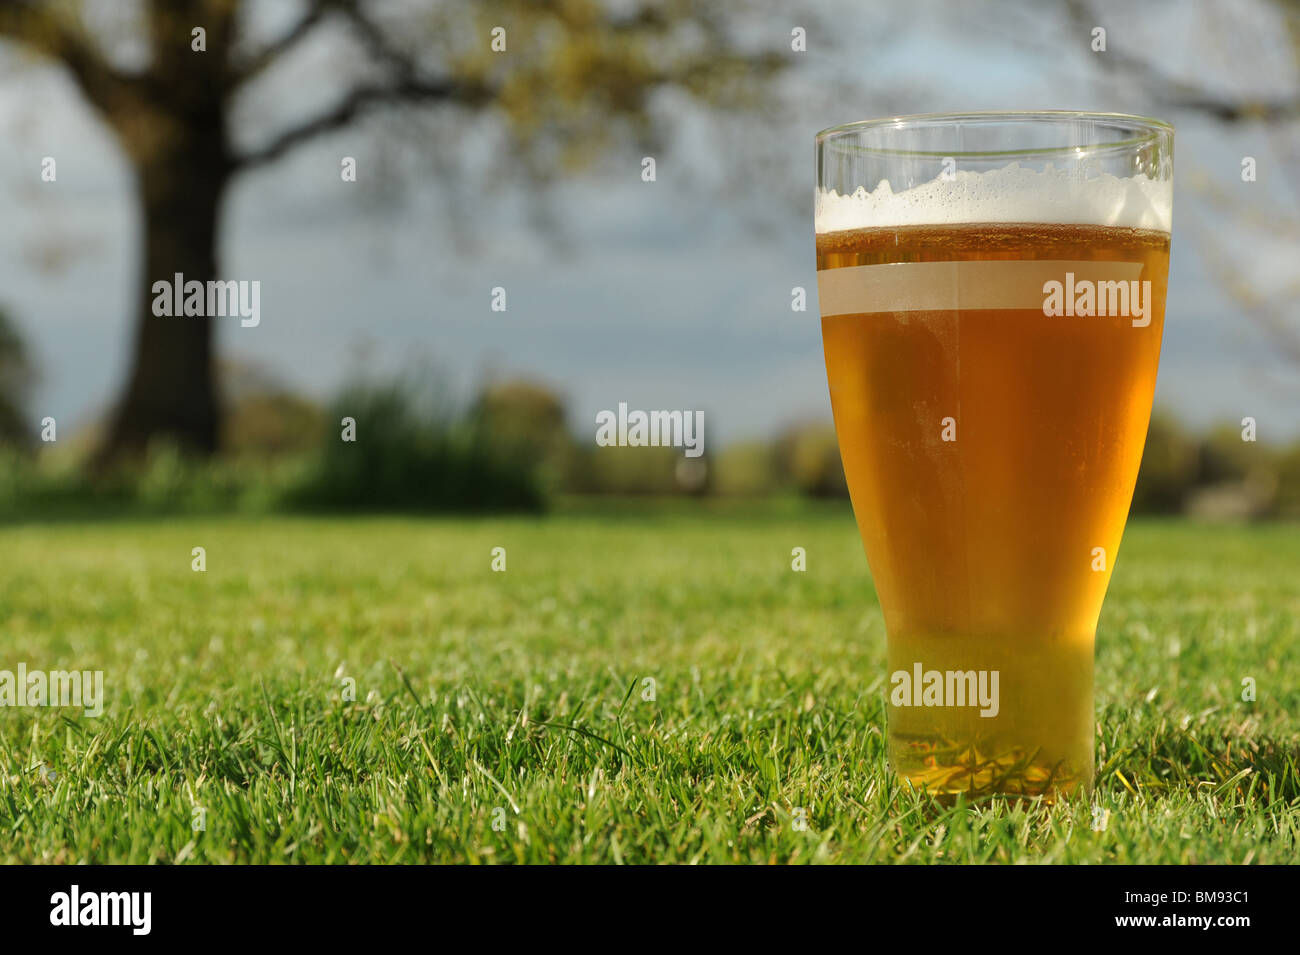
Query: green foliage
{"x": 413, "y": 454}
{"x": 272, "y": 424}
{"x": 747, "y": 469}
{"x": 528, "y": 420}
{"x": 1169, "y": 467}
{"x": 637, "y": 471}
{"x": 1217, "y": 474}
{"x": 1288, "y": 472}
{"x": 808, "y": 457}
{"x": 164, "y": 482}
{"x": 410, "y": 454}
{"x": 1223, "y": 456}
{"x": 519, "y": 696}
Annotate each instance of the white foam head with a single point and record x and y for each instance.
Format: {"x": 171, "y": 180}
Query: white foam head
{"x": 1010, "y": 194}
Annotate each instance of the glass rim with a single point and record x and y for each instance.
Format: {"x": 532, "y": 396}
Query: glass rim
{"x": 1147, "y": 129}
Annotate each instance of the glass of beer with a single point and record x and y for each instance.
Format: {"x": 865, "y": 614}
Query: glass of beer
{"x": 992, "y": 294}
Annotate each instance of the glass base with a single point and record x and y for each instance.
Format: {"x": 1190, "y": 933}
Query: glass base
{"x": 944, "y": 767}
{"x": 954, "y": 728}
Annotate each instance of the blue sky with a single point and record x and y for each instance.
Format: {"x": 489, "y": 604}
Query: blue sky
{"x": 673, "y": 294}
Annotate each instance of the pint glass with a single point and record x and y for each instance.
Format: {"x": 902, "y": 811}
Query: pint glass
{"x": 992, "y": 294}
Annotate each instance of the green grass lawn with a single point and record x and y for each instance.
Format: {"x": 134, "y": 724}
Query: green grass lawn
{"x": 499, "y": 717}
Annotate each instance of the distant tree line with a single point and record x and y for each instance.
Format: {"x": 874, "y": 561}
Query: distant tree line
{"x": 405, "y": 446}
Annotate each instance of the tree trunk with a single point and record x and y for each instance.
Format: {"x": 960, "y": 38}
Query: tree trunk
{"x": 171, "y": 392}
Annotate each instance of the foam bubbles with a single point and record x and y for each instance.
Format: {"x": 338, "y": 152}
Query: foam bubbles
{"x": 1010, "y": 194}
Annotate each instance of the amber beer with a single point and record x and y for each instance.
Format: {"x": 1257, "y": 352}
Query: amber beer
{"x": 991, "y": 454}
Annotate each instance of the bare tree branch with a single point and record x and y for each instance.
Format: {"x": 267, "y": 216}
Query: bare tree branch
{"x": 361, "y": 99}
{"x": 1179, "y": 94}
{"x": 406, "y": 86}
{"x": 252, "y": 67}
{"x": 376, "y": 41}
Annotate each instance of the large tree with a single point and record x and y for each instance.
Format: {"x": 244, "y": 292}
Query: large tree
{"x": 576, "y": 77}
